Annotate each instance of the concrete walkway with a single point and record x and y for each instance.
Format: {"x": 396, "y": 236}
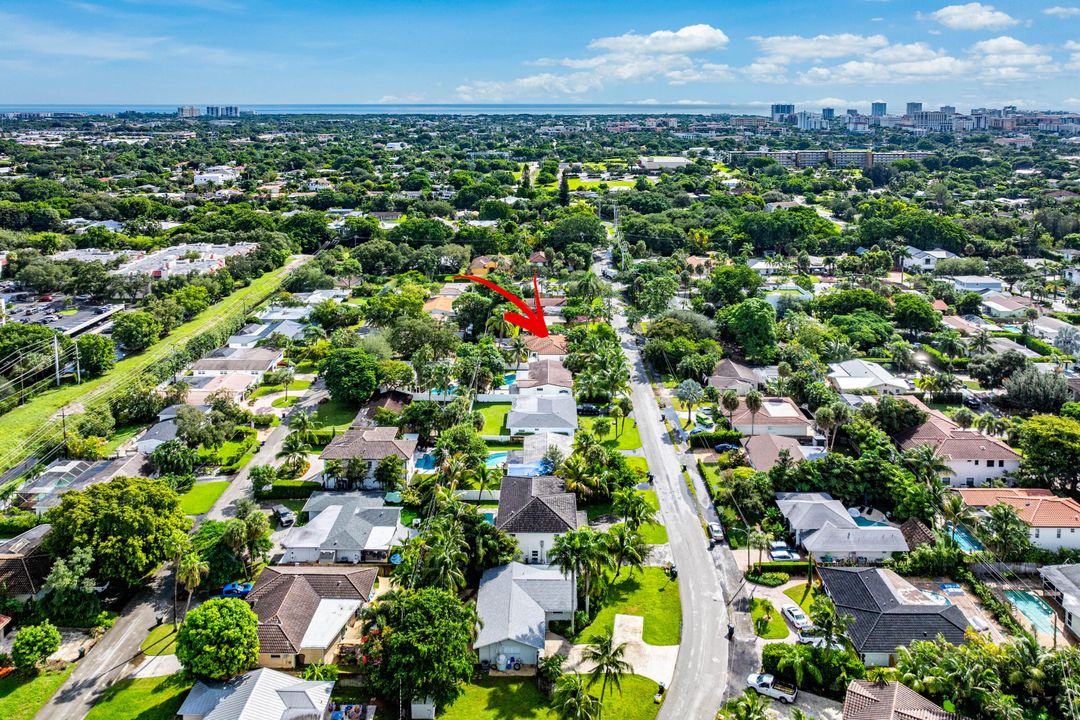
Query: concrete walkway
{"x": 157, "y": 666}
{"x": 656, "y": 662}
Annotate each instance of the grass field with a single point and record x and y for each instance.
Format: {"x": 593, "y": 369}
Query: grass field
{"x": 202, "y": 497}
{"x": 335, "y": 414}
{"x": 494, "y": 417}
{"x": 160, "y": 641}
{"x": 120, "y": 436}
{"x": 518, "y": 698}
{"x": 776, "y": 628}
{"x": 629, "y": 439}
{"x": 17, "y": 426}
{"x": 638, "y": 463}
{"x": 648, "y": 593}
{"x": 803, "y": 595}
{"x": 653, "y": 533}
{"x": 142, "y": 699}
{"x": 295, "y": 386}
{"x": 21, "y": 697}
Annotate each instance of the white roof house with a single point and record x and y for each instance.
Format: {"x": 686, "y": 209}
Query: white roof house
{"x": 925, "y": 259}
{"x": 515, "y": 604}
{"x": 825, "y": 528}
{"x": 262, "y": 694}
{"x": 977, "y": 283}
{"x": 536, "y": 414}
{"x": 860, "y": 375}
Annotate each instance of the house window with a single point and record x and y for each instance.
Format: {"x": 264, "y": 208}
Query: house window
{"x": 976, "y": 463}
{"x": 1036, "y": 532}
{"x": 275, "y": 657}
{"x": 1059, "y": 533}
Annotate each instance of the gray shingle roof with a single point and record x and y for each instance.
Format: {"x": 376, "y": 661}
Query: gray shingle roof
{"x": 555, "y": 413}
{"x": 514, "y": 600}
{"x": 831, "y": 539}
{"x": 536, "y": 505}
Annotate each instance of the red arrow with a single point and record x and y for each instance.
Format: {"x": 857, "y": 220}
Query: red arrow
{"x": 529, "y": 320}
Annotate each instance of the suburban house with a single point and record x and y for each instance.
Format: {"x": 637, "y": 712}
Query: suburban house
{"x": 247, "y": 361}
{"x": 777, "y": 416}
{"x": 973, "y": 458}
{"x": 764, "y": 451}
{"x": 868, "y": 700}
{"x": 863, "y": 376}
{"x": 262, "y": 694}
{"x": 924, "y": 260}
{"x": 552, "y": 347}
{"x": 533, "y": 414}
{"x": 831, "y": 533}
{"x": 1002, "y": 305}
{"x": 1062, "y": 584}
{"x": 889, "y": 612}
{"x": 304, "y": 611}
{"x": 1053, "y": 522}
{"x": 1048, "y": 328}
{"x": 536, "y": 510}
{"x": 730, "y": 375}
{"x": 440, "y": 307}
{"x": 43, "y": 492}
{"x": 515, "y": 604}
{"x": 790, "y": 291}
{"x": 24, "y": 564}
{"x": 976, "y": 283}
{"x": 544, "y": 377}
{"x": 159, "y": 434}
{"x": 764, "y": 267}
{"x": 251, "y": 335}
{"x": 233, "y": 384}
{"x": 365, "y": 446}
{"x": 344, "y": 528}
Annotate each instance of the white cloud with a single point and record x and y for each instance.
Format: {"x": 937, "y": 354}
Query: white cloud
{"x": 786, "y": 48}
{"x": 1074, "y": 59}
{"x": 673, "y": 56}
{"x": 1062, "y": 12}
{"x": 1006, "y": 58}
{"x": 972, "y": 16}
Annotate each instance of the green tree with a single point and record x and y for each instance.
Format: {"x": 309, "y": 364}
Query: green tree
{"x": 390, "y": 472}
{"x": 633, "y": 508}
{"x": 564, "y": 189}
{"x": 262, "y": 478}
{"x": 915, "y": 313}
{"x": 1051, "y": 452}
{"x": 691, "y": 393}
{"x": 136, "y": 330}
{"x": 754, "y": 326}
{"x": 34, "y": 643}
{"x": 627, "y": 547}
{"x": 581, "y": 553}
{"x": 219, "y": 639}
{"x": 800, "y": 662}
{"x": 609, "y": 664}
{"x": 572, "y": 699}
{"x": 350, "y": 375}
{"x": 748, "y": 706}
{"x": 97, "y": 354}
{"x": 70, "y": 598}
{"x": 754, "y": 401}
{"x": 174, "y": 457}
{"x": 191, "y": 573}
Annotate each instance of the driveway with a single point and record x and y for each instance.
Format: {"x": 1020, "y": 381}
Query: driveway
{"x": 656, "y": 662}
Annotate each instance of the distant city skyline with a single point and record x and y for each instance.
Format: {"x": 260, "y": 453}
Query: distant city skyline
{"x": 839, "y": 54}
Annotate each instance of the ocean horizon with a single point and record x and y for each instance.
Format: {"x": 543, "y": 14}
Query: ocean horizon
{"x": 412, "y": 109}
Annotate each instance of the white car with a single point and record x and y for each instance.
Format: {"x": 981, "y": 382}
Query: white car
{"x": 806, "y": 637}
{"x": 796, "y": 617}
{"x": 769, "y": 686}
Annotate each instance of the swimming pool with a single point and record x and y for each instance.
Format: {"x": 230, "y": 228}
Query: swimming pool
{"x": 425, "y": 462}
{"x": 967, "y": 542}
{"x": 489, "y": 517}
{"x": 937, "y": 597}
{"x": 1034, "y": 609}
{"x": 496, "y": 459}
{"x": 509, "y": 379}
{"x": 867, "y": 522}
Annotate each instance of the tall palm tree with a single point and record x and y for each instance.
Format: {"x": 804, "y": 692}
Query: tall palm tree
{"x": 176, "y": 547}
{"x": 617, "y": 414}
{"x": 483, "y": 476}
{"x": 1004, "y": 531}
{"x": 304, "y": 425}
{"x": 926, "y": 464}
{"x": 956, "y": 513}
{"x": 633, "y": 508}
{"x": 193, "y": 569}
{"x": 442, "y": 377}
{"x": 754, "y": 401}
{"x": 609, "y": 664}
{"x": 760, "y": 540}
{"x": 801, "y": 663}
{"x": 730, "y": 402}
{"x": 579, "y": 477}
{"x": 748, "y": 706}
{"x": 980, "y": 342}
{"x": 831, "y": 625}
{"x": 627, "y": 547}
{"x": 293, "y": 451}
{"x": 583, "y": 554}
{"x": 517, "y": 350}
{"x": 572, "y": 699}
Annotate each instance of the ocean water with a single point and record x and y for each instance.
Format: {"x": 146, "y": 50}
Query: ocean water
{"x": 379, "y": 109}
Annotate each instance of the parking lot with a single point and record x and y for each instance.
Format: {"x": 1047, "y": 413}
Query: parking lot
{"x": 65, "y": 314}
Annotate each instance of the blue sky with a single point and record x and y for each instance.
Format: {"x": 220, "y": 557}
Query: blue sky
{"x": 843, "y": 53}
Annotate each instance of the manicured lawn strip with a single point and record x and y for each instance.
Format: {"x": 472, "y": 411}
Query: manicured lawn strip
{"x": 638, "y": 463}
{"x": 335, "y": 414}
{"x": 653, "y": 533}
{"x": 21, "y": 697}
{"x": 156, "y": 698}
{"x": 777, "y": 628}
{"x": 503, "y": 698}
{"x": 306, "y": 367}
{"x": 803, "y": 595}
{"x": 494, "y": 417}
{"x": 202, "y": 497}
{"x": 493, "y": 446}
{"x": 121, "y": 435}
{"x": 648, "y": 593}
{"x": 17, "y": 425}
{"x": 160, "y": 641}
{"x": 294, "y": 386}
{"x": 629, "y": 439}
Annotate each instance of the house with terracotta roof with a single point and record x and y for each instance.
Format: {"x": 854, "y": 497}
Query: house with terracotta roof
{"x": 544, "y": 377}
{"x": 764, "y": 451}
{"x": 869, "y": 700}
{"x": 304, "y": 611}
{"x": 552, "y": 347}
{"x": 1002, "y": 305}
{"x": 973, "y": 458}
{"x": 1053, "y": 522}
{"x": 536, "y": 510}
{"x": 538, "y": 258}
{"x": 358, "y": 452}
{"x": 777, "y": 416}
{"x": 440, "y": 307}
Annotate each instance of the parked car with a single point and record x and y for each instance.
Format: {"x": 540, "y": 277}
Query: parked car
{"x": 782, "y": 554}
{"x": 285, "y": 516}
{"x": 716, "y": 532}
{"x": 796, "y": 617}
{"x": 725, "y": 447}
{"x": 45, "y": 298}
{"x": 771, "y": 687}
{"x": 236, "y": 590}
{"x": 972, "y": 402}
{"x": 588, "y": 409}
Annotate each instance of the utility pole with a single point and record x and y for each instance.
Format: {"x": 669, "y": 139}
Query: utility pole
{"x": 78, "y": 369}
{"x": 56, "y": 358}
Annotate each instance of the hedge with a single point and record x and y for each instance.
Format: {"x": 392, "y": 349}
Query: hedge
{"x": 16, "y": 522}
{"x": 1002, "y": 611}
{"x": 832, "y": 664}
{"x": 290, "y": 490}
{"x": 791, "y": 567}
{"x": 1069, "y": 317}
{"x": 942, "y": 361}
{"x": 768, "y": 579}
{"x": 716, "y": 437}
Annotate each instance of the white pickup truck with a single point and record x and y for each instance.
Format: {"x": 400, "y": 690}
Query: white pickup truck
{"x": 771, "y": 687}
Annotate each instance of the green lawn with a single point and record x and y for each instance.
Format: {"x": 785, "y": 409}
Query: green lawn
{"x": 653, "y": 533}
{"x": 648, "y": 593}
{"x": 202, "y": 497}
{"x": 638, "y": 463}
{"x": 19, "y": 424}
{"x": 306, "y": 367}
{"x": 21, "y": 698}
{"x": 777, "y": 628}
{"x": 160, "y": 641}
{"x": 628, "y": 439}
{"x": 142, "y": 699}
{"x": 295, "y": 386}
{"x": 494, "y": 417}
{"x": 284, "y": 402}
{"x": 335, "y": 414}
{"x": 803, "y": 595}
{"x": 508, "y": 698}
{"x": 120, "y": 436}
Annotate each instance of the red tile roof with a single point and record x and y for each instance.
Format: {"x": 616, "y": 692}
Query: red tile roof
{"x": 1037, "y": 507}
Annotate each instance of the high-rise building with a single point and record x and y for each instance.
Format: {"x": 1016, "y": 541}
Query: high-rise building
{"x": 912, "y": 108}
{"x": 948, "y": 109}
{"x": 222, "y": 111}
{"x": 809, "y": 121}
{"x": 828, "y": 113}
{"x": 188, "y": 111}
{"x": 878, "y": 109}
{"x": 934, "y": 121}
{"x": 852, "y": 112}
{"x": 780, "y": 111}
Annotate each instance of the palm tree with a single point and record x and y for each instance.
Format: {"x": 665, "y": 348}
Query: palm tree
{"x": 991, "y": 424}
{"x": 609, "y": 664}
{"x": 748, "y": 706}
{"x": 616, "y": 414}
{"x": 176, "y": 547}
{"x": 1027, "y": 664}
{"x": 304, "y": 425}
{"x": 518, "y": 351}
{"x": 760, "y": 540}
{"x": 633, "y": 508}
{"x": 581, "y": 553}
{"x": 801, "y": 662}
{"x": 825, "y": 419}
{"x": 926, "y": 464}
{"x": 730, "y": 401}
{"x": 626, "y": 547}
{"x": 293, "y": 451}
{"x": 831, "y": 626}
{"x": 573, "y": 701}
{"x": 690, "y": 392}
{"x": 190, "y": 574}
{"x": 901, "y": 251}
{"x": 286, "y": 377}
{"x": 1004, "y": 531}
{"x": 980, "y": 342}
{"x": 754, "y": 402}
{"x": 483, "y": 476}
{"x": 442, "y": 377}
{"x": 956, "y": 513}
{"x": 499, "y": 326}
{"x": 578, "y": 477}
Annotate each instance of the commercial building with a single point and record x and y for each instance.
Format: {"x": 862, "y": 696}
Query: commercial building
{"x": 222, "y": 111}
{"x": 839, "y": 158}
{"x": 188, "y": 111}
{"x": 878, "y": 109}
{"x": 912, "y": 108}
{"x": 809, "y": 121}
{"x": 828, "y": 113}
{"x": 780, "y": 111}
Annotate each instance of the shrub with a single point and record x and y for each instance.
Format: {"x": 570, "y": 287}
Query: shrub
{"x": 219, "y": 639}
{"x": 789, "y": 567}
{"x": 837, "y": 668}
{"x": 768, "y": 579}
{"x": 716, "y": 437}
{"x": 16, "y": 522}
{"x": 290, "y": 490}
{"x": 34, "y": 643}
